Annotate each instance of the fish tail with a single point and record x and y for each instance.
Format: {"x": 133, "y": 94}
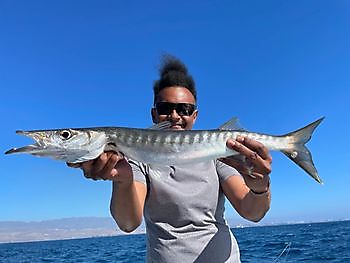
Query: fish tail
{"x": 299, "y": 153}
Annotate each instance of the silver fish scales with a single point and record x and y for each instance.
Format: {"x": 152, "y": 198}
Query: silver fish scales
{"x": 159, "y": 145}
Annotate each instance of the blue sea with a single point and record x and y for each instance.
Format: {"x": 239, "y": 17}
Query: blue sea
{"x": 316, "y": 242}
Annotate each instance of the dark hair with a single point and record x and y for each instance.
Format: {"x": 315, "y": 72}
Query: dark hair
{"x": 173, "y": 72}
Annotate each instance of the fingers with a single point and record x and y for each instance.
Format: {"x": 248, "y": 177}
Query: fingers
{"x": 239, "y": 164}
{"x": 103, "y": 167}
{"x": 255, "y": 167}
{"x": 256, "y": 154}
{"x": 256, "y": 146}
{"x": 250, "y": 148}
{"x": 109, "y": 170}
{"x": 87, "y": 167}
{"x": 100, "y": 163}
{"x": 74, "y": 165}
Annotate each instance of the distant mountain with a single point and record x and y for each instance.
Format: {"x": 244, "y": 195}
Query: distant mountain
{"x": 66, "y": 228}
{"x": 83, "y": 227}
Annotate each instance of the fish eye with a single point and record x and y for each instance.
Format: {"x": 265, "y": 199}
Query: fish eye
{"x": 65, "y": 134}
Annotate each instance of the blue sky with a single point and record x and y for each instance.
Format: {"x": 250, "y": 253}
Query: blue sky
{"x": 277, "y": 65}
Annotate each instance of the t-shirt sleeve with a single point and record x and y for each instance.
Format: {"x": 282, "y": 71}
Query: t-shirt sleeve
{"x": 139, "y": 171}
{"x": 225, "y": 171}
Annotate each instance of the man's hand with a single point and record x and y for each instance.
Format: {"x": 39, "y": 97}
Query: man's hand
{"x": 256, "y": 164}
{"x": 108, "y": 166}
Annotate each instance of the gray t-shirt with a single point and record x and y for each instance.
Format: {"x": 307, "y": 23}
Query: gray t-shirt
{"x": 184, "y": 212}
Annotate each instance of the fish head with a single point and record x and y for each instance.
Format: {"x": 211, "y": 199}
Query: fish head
{"x": 69, "y": 145}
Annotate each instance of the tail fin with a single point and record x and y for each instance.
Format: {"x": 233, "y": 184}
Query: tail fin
{"x": 298, "y": 153}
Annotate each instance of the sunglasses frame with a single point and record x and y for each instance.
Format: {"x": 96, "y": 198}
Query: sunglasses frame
{"x": 182, "y": 109}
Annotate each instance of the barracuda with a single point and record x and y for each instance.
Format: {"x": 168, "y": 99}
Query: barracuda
{"x": 159, "y": 145}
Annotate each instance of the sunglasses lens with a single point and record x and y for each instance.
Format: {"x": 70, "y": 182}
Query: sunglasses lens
{"x": 183, "y": 109}
{"x": 164, "y": 108}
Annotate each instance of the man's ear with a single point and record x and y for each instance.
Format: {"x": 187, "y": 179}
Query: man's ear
{"x": 195, "y": 115}
{"x": 154, "y": 115}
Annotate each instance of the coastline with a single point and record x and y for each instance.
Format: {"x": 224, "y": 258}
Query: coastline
{"x": 90, "y": 227}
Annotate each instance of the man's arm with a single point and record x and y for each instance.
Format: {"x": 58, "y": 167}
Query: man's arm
{"x": 248, "y": 204}
{"x": 127, "y": 204}
{"x": 128, "y": 196}
{"x": 250, "y": 194}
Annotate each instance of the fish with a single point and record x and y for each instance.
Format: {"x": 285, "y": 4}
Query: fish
{"x": 161, "y": 145}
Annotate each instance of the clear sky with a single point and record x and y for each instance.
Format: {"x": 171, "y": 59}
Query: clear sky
{"x": 277, "y": 65}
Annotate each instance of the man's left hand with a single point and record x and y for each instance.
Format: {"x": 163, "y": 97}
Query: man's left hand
{"x": 255, "y": 164}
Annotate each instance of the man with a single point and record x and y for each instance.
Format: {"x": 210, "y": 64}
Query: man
{"x": 183, "y": 206}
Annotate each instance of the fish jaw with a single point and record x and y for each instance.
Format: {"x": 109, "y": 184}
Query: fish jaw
{"x": 35, "y": 148}
{"x": 25, "y": 149}
{"x": 83, "y": 145}
{"x": 52, "y": 152}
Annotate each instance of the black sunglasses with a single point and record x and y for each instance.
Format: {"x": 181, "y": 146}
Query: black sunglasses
{"x": 183, "y": 109}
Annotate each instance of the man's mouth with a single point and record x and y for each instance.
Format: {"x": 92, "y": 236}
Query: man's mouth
{"x": 176, "y": 126}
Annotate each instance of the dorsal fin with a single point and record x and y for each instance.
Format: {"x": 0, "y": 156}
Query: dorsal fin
{"x": 232, "y": 124}
{"x": 161, "y": 126}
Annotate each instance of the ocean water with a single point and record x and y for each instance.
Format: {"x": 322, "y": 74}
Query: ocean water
{"x": 316, "y": 242}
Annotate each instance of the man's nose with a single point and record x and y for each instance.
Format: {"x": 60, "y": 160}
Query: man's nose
{"x": 174, "y": 115}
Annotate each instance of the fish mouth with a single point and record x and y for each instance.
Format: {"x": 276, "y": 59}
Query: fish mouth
{"x": 37, "y": 147}
{"x": 33, "y": 148}
{"x": 43, "y": 147}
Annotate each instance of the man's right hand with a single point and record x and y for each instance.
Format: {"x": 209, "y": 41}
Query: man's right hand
{"x": 108, "y": 166}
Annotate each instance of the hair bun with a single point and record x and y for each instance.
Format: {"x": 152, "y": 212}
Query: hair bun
{"x": 173, "y": 73}
{"x": 170, "y": 63}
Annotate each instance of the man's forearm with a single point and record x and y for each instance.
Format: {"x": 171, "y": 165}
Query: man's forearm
{"x": 127, "y": 205}
{"x": 254, "y": 206}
